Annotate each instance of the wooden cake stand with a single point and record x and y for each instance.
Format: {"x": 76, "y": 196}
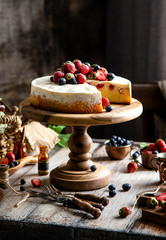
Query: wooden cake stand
{"x": 76, "y": 173}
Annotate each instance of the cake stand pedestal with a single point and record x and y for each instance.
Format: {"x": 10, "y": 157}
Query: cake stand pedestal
{"x": 76, "y": 173}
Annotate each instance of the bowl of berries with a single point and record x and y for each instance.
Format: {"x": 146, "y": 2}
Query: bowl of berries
{"x": 117, "y": 147}
{"x": 150, "y": 151}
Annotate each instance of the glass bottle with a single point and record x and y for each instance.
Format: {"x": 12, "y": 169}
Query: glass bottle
{"x": 43, "y": 161}
{"x": 20, "y": 150}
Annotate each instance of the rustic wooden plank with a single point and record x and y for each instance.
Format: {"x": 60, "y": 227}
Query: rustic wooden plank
{"x": 40, "y": 217}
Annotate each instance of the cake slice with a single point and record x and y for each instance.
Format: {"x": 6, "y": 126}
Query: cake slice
{"x": 117, "y": 90}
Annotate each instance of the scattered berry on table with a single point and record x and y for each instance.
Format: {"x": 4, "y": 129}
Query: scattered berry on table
{"x": 4, "y": 161}
{"x": 112, "y": 193}
{"x": 108, "y": 108}
{"x": 111, "y": 187}
{"x": 136, "y": 155}
{"x": 22, "y": 181}
{"x": 22, "y": 188}
{"x": 124, "y": 212}
{"x": 11, "y": 164}
{"x": 36, "y": 182}
{"x": 152, "y": 202}
{"x": 93, "y": 168}
{"x": 132, "y": 167}
{"x": 126, "y": 186}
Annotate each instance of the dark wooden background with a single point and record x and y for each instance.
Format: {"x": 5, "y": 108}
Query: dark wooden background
{"x": 38, "y": 36}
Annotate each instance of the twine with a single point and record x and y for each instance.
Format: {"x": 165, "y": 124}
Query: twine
{"x": 4, "y": 183}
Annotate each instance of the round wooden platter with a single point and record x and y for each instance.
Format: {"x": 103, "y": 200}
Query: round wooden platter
{"x": 76, "y": 173}
{"x": 120, "y": 113}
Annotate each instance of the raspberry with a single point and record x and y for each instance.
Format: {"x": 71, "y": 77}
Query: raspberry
{"x": 132, "y": 167}
{"x": 81, "y": 78}
{"x": 100, "y": 76}
{"x": 57, "y": 75}
{"x": 84, "y": 69}
{"x": 69, "y": 67}
{"x": 105, "y": 102}
{"x": 160, "y": 143}
{"x": 100, "y": 85}
{"x": 124, "y": 212}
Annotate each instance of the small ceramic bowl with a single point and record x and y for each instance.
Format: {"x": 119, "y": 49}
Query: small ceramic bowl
{"x": 117, "y": 153}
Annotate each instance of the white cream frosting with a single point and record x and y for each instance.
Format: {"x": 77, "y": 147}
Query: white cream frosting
{"x": 68, "y": 93}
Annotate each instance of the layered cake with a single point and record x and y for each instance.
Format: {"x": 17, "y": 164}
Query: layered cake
{"x": 79, "y": 87}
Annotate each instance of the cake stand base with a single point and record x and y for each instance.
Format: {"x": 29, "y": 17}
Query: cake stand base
{"x": 63, "y": 178}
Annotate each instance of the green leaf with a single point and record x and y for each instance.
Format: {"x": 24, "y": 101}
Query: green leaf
{"x": 64, "y": 139}
{"x": 143, "y": 144}
{"x": 57, "y": 129}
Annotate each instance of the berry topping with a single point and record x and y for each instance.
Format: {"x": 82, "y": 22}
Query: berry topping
{"x": 72, "y": 81}
{"x": 104, "y": 70}
{"x": 105, "y": 102}
{"x": 90, "y": 76}
{"x": 22, "y": 181}
{"x": 112, "y": 193}
{"x": 124, "y": 212}
{"x": 88, "y": 64}
{"x": 52, "y": 78}
{"x": 22, "y": 188}
{"x": 132, "y": 167}
{"x": 10, "y": 156}
{"x": 108, "y": 108}
{"x": 100, "y": 85}
{"x": 84, "y": 69}
{"x": 110, "y": 76}
{"x": 36, "y": 182}
{"x": 68, "y": 76}
{"x": 81, "y": 78}
{"x": 96, "y": 67}
{"x": 99, "y": 75}
{"x": 93, "y": 168}
{"x": 57, "y": 75}
{"x": 69, "y": 67}
{"x": 77, "y": 63}
{"x": 111, "y": 187}
{"x": 61, "y": 81}
{"x": 126, "y": 186}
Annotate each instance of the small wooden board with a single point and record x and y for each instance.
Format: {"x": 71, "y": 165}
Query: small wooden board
{"x": 156, "y": 215}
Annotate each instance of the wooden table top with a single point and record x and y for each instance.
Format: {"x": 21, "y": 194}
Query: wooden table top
{"x": 38, "y": 218}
